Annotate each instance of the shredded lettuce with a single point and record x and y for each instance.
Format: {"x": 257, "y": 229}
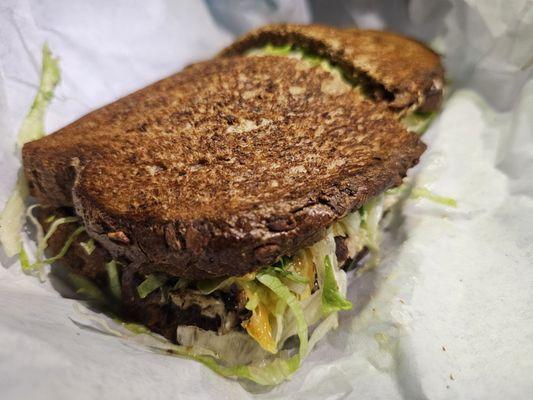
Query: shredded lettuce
{"x": 292, "y": 276}
{"x": 234, "y": 348}
{"x": 25, "y": 262}
{"x": 371, "y": 214}
{"x": 332, "y": 299}
{"x": 418, "y": 122}
{"x": 272, "y": 373}
{"x": 12, "y": 217}
{"x": 114, "y": 279}
{"x": 272, "y": 50}
{"x": 65, "y": 247}
{"x": 274, "y": 284}
{"x": 180, "y": 284}
{"x": 42, "y": 244}
{"x": 422, "y": 192}
{"x": 88, "y": 246}
{"x": 208, "y": 286}
{"x": 37, "y": 267}
{"x": 269, "y": 373}
{"x": 33, "y": 125}
{"x": 329, "y": 323}
{"x": 85, "y": 288}
{"x": 39, "y": 231}
{"x": 151, "y": 283}
{"x": 320, "y": 250}
{"x": 252, "y": 293}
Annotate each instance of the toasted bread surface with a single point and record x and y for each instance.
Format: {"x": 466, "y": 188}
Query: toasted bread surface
{"x": 409, "y": 71}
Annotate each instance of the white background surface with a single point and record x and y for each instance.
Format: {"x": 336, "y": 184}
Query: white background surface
{"x": 449, "y": 313}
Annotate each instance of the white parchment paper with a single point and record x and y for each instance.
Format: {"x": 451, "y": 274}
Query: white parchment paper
{"x": 449, "y": 312}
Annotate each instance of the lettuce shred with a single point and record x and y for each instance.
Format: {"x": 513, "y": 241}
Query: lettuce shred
{"x": 418, "y": 122}
{"x": 371, "y": 214}
{"x": 12, "y": 217}
{"x": 332, "y": 299}
{"x": 151, "y": 283}
{"x": 114, "y": 279}
{"x": 287, "y": 274}
{"x": 274, "y": 284}
{"x": 37, "y": 267}
{"x": 85, "y": 288}
{"x": 207, "y": 286}
{"x": 88, "y": 246}
{"x": 422, "y": 192}
{"x": 33, "y": 125}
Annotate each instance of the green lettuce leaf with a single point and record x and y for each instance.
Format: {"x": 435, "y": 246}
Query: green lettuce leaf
{"x": 269, "y": 373}
{"x": 37, "y": 267}
{"x": 207, "y": 286}
{"x": 88, "y": 246}
{"x": 272, "y": 373}
{"x": 332, "y": 299}
{"x": 272, "y": 50}
{"x": 151, "y": 283}
{"x": 12, "y": 217}
{"x": 65, "y": 247}
{"x": 84, "y": 287}
{"x": 114, "y": 279}
{"x": 274, "y": 283}
{"x": 418, "y": 121}
{"x": 421, "y": 192}
{"x": 284, "y": 273}
{"x": 33, "y": 125}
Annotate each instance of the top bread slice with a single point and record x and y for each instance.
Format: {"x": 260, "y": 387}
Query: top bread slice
{"x": 224, "y": 167}
{"x": 404, "y": 73}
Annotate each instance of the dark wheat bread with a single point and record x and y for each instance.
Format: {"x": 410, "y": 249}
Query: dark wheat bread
{"x": 224, "y": 167}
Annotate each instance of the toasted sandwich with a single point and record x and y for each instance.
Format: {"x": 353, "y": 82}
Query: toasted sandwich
{"x": 224, "y": 206}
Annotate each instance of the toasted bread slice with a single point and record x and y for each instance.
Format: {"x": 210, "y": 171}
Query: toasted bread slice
{"x": 409, "y": 72}
{"x": 224, "y": 167}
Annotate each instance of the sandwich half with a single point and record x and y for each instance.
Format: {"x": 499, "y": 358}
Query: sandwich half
{"x": 223, "y": 207}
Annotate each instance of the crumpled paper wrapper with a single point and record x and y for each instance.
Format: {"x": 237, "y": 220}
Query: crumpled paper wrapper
{"x": 449, "y": 311}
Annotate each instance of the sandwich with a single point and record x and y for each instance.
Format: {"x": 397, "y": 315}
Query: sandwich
{"x": 226, "y": 206}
